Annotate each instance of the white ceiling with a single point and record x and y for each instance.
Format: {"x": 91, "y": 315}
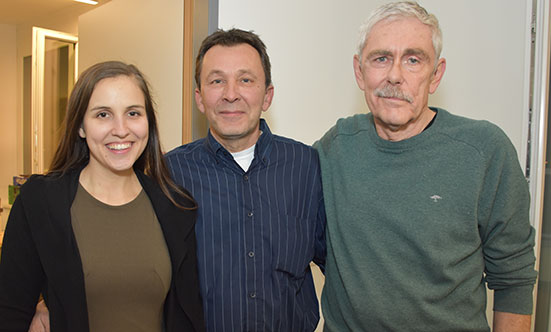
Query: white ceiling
{"x": 26, "y": 11}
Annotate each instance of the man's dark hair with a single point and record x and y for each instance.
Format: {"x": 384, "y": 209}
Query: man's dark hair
{"x": 233, "y": 37}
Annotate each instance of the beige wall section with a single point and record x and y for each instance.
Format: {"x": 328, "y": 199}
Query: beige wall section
{"x": 8, "y": 113}
{"x": 16, "y": 43}
{"x": 149, "y": 34}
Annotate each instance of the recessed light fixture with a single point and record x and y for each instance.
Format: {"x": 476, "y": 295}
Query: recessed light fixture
{"x": 90, "y": 2}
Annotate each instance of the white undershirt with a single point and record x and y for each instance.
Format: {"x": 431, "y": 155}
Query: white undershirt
{"x": 244, "y": 158}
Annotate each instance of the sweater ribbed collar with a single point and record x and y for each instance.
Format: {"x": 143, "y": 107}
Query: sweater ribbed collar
{"x": 409, "y": 143}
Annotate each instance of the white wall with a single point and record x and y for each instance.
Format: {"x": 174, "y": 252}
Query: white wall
{"x": 149, "y": 34}
{"x": 311, "y": 44}
{"x": 8, "y": 113}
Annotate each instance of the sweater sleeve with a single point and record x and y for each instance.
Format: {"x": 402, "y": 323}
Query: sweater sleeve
{"x": 21, "y": 273}
{"x": 505, "y": 230}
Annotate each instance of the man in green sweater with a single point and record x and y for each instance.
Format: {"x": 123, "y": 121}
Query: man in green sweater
{"x": 424, "y": 208}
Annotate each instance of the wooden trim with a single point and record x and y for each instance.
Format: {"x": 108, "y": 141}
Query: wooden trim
{"x": 187, "y": 86}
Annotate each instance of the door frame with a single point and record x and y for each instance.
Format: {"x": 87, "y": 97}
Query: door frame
{"x": 37, "y": 89}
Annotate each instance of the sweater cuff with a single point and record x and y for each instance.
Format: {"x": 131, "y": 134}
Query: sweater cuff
{"x": 517, "y": 300}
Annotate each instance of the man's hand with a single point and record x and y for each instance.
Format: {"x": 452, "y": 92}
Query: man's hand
{"x": 41, "y": 319}
{"x": 509, "y": 322}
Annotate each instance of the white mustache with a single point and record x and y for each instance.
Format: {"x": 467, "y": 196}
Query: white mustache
{"x": 390, "y": 91}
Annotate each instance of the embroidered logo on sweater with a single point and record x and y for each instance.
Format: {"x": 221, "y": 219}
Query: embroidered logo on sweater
{"x": 435, "y": 198}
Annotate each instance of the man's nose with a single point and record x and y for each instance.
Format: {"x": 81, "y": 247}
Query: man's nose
{"x": 231, "y": 92}
{"x": 395, "y": 73}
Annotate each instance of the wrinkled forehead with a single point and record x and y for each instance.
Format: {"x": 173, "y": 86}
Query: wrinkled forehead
{"x": 399, "y": 32}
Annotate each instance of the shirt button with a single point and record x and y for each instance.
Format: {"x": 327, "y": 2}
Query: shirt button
{"x": 250, "y": 214}
{"x": 251, "y": 254}
{"x": 252, "y": 295}
{"x": 246, "y": 177}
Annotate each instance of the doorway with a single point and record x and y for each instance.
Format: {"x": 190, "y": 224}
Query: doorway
{"x": 54, "y": 72}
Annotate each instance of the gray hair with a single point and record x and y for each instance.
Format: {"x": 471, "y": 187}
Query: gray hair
{"x": 402, "y": 9}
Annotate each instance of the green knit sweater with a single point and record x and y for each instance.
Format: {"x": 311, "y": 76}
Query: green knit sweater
{"x": 416, "y": 228}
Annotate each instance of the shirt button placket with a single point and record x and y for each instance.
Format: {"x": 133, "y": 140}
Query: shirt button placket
{"x": 250, "y": 237}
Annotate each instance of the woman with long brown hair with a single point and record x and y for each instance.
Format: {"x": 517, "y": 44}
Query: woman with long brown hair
{"x": 105, "y": 236}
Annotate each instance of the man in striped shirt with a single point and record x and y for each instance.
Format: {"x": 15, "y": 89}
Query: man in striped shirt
{"x": 261, "y": 216}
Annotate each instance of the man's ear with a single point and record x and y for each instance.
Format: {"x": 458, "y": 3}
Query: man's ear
{"x": 437, "y": 75}
{"x": 358, "y": 72}
{"x": 268, "y": 96}
{"x": 199, "y": 101}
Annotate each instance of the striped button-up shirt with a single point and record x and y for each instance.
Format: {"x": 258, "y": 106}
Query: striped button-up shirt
{"x": 257, "y": 232}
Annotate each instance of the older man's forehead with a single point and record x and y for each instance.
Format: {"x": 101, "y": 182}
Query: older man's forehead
{"x": 378, "y": 30}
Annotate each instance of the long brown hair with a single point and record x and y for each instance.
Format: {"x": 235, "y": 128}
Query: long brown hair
{"x": 73, "y": 152}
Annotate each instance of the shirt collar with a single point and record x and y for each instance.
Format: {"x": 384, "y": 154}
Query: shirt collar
{"x": 263, "y": 145}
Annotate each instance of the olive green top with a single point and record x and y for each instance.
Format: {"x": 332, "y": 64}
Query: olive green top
{"x": 125, "y": 260}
